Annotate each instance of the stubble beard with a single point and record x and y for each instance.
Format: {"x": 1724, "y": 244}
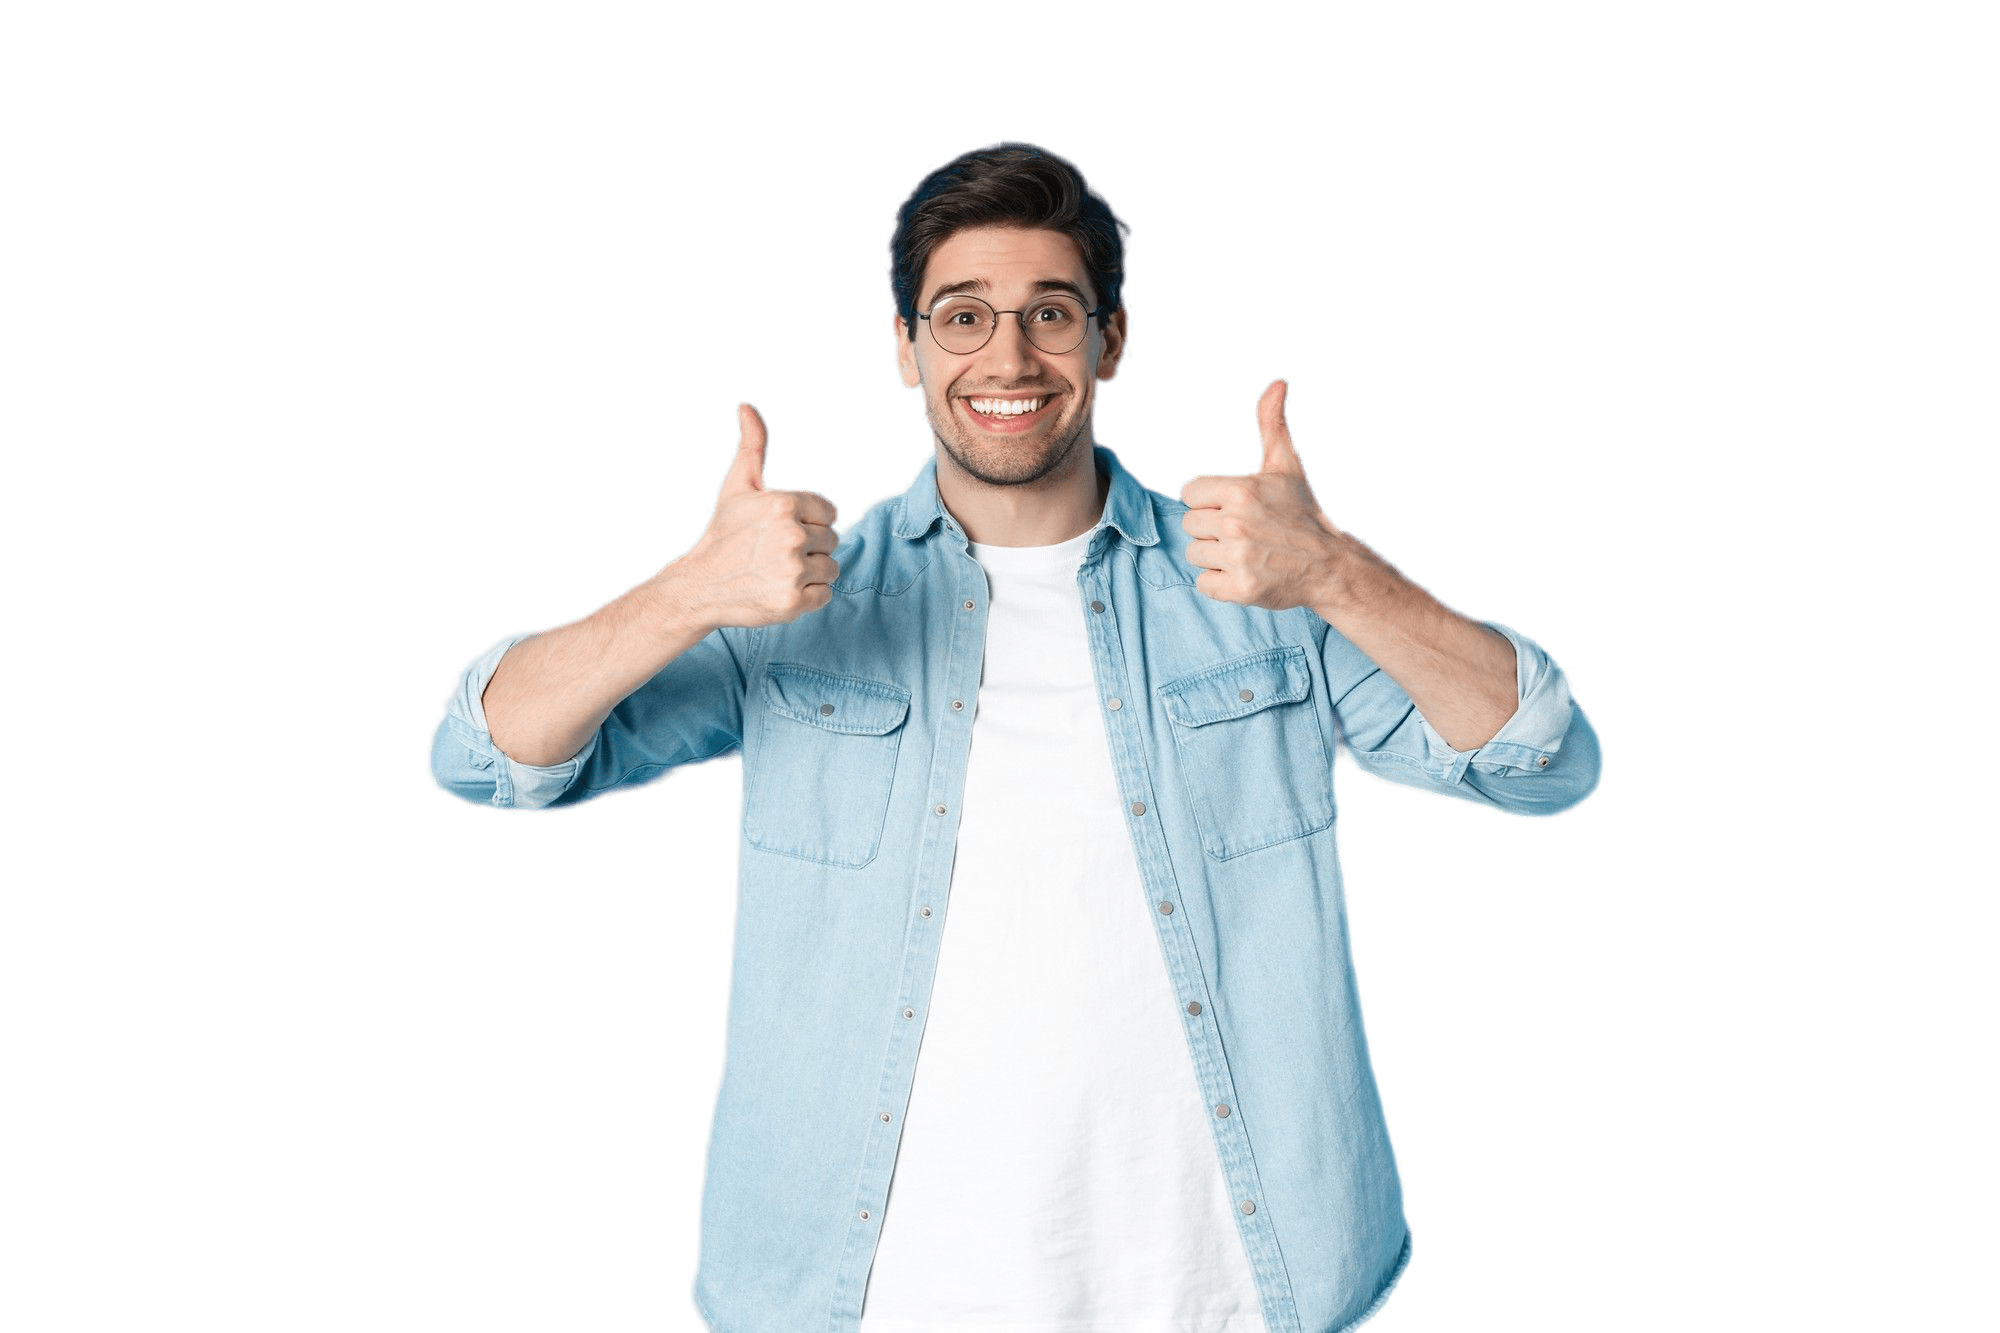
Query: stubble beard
{"x": 955, "y": 440}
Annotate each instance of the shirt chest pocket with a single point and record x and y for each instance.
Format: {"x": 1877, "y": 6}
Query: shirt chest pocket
{"x": 1256, "y": 765}
{"x": 825, "y": 760}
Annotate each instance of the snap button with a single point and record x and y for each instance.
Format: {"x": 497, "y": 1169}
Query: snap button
{"x": 1138, "y": 807}
{"x": 1223, "y": 1111}
{"x": 885, "y": 1117}
{"x": 937, "y": 809}
{"x": 1115, "y": 704}
{"x": 923, "y": 911}
{"x": 826, "y": 710}
{"x": 1244, "y": 695}
{"x": 1543, "y": 761}
{"x": 1096, "y": 605}
{"x": 1166, "y": 909}
{"x": 864, "y": 1214}
{"x": 1194, "y": 1006}
{"x": 968, "y": 603}
{"x": 909, "y": 1013}
{"x": 958, "y": 705}
{"x": 1248, "y": 1207}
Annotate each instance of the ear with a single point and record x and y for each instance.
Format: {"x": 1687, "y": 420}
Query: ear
{"x": 906, "y": 354}
{"x": 1114, "y": 344}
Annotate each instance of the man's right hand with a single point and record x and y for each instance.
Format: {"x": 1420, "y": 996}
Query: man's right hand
{"x": 766, "y": 556}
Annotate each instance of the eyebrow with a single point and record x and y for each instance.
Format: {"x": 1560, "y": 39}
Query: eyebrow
{"x": 979, "y": 287}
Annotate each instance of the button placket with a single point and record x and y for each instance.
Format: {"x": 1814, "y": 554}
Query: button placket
{"x": 964, "y": 654}
{"x": 1211, "y": 1067}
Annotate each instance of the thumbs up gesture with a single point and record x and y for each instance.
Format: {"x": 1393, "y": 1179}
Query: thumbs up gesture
{"x": 1261, "y": 540}
{"x": 766, "y": 556}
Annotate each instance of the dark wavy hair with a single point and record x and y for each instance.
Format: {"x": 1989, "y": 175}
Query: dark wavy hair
{"x": 1009, "y": 184}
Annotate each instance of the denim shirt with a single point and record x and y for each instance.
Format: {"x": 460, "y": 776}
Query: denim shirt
{"x": 854, "y": 723}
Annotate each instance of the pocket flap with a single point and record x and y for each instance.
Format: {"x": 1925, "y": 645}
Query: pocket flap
{"x": 837, "y": 703}
{"x": 1238, "y": 687}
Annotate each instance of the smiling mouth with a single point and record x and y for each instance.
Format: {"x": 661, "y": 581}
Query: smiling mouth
{"x": 1007, "y": 411}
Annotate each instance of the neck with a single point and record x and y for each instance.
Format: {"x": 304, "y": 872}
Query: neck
{"x": 1064, "y": 504}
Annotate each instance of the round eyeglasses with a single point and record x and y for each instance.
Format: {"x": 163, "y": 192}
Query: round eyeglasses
{"x": 1055, "y": 323}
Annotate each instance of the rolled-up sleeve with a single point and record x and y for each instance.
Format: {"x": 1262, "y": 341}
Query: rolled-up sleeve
{"x": 1543, "y": 759}
{"x": 691, "y": 710}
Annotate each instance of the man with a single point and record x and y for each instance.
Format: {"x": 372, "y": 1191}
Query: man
{"x": 1038, "y": 787}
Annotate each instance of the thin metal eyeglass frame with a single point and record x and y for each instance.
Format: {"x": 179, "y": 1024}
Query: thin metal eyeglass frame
{"x": 1021, "y": 315}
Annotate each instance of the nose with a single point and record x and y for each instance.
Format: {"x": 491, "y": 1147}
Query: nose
{"x": 1009, "y": 344}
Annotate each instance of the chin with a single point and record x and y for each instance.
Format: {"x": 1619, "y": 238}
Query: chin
{"x": 1002, "y": 472}
{"x": 1004, "y": 462}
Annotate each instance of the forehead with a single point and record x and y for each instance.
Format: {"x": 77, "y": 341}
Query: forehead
{"x": 1010, "y": 261}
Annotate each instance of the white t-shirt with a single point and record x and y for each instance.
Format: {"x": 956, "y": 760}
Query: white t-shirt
{"x": 1057, "y": 1172}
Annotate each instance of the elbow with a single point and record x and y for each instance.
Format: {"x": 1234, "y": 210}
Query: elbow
{"x": 466, "y": 763}
{"x": 460, "y": 768}
{"x": 1572, "y": 772}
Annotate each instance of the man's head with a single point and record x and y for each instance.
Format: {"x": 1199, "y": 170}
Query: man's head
{"x": 1015, "y": 228}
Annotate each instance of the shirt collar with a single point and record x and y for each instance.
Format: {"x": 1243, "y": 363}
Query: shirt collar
{"x": 1126, "y": 504}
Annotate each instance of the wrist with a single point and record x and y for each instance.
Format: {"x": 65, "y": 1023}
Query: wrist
{"x": 1345, "y": 587}
{"x": 670, "y": 605}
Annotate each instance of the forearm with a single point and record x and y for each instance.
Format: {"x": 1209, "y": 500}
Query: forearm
{"x": 1459, "y": 674}
{"x": 551, "y": 692}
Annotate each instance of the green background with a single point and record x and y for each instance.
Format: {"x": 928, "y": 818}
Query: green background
{"x": 345, "y": 341}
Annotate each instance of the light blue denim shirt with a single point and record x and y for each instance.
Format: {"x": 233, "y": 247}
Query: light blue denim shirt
{"x": 855, "y": 723}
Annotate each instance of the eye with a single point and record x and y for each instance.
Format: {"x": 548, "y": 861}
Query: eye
{"x": 960, "y": 315}
{"x": 1053, "y": 313}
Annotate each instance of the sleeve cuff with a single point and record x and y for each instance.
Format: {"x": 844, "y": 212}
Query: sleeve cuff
{"x": 523, "y": 786}
{"x": 1529, "y": 740}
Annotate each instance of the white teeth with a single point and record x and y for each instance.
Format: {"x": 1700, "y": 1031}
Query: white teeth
{"x": 1004, "y": 407}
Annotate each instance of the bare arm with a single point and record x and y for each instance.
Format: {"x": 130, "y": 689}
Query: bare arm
{"x": 1458, "y": 673}
{"x": 552, "y": 692}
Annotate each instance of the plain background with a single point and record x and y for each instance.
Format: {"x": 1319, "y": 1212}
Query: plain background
{"x": 343, "y": 341}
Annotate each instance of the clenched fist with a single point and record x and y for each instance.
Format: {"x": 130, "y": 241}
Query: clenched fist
{"x": 766, "y": 556}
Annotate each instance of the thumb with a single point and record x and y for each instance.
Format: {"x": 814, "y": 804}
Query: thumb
{"x": 1279, "y": 456}
{"x": 746, "y": 471}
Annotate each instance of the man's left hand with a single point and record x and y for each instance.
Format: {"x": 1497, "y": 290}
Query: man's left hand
{"x": 1262, "y": 540}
